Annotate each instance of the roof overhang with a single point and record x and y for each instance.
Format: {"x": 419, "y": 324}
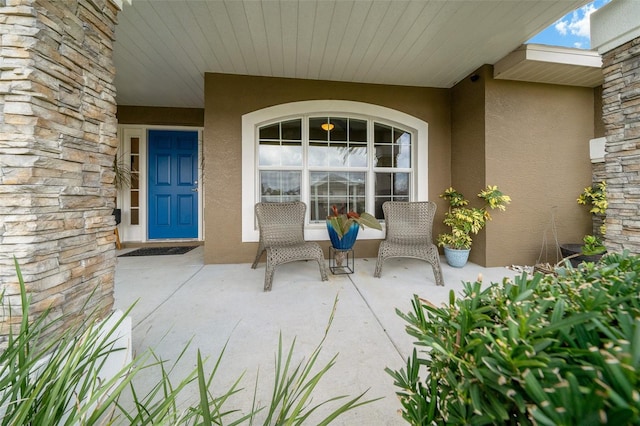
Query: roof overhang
{"x": 539, "y": 63}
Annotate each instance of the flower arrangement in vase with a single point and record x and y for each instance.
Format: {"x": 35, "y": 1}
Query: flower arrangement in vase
{"x": 343, "y": 227}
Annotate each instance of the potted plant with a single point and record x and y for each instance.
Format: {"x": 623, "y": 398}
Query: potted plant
{"x": 121, "y": 179}
{"x": 343, "y": 227}
{"x": 592, "y": 248}
{"x": 465, "y": 221}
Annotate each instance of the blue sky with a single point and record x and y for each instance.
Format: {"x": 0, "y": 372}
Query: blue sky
{"x": 572, "y": 30}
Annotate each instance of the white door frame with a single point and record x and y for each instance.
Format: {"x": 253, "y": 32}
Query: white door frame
{"x": 139, "y": 233}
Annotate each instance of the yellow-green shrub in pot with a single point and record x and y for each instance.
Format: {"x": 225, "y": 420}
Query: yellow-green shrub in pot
{"x": 465, "y": 221}
{"x": 592, "y": 247}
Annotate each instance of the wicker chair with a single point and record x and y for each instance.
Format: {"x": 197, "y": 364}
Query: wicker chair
{"x": 408, "y": 234}
{"x": 282, "y": 237}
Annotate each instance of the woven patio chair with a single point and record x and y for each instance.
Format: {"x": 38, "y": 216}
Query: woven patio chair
{"x": 282, "y": 237}
{"x": 409, "y": 228}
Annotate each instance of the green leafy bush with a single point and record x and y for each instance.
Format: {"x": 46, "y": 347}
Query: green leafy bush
{"x": 44, "y": 382}
{"x": 542, "y": 350}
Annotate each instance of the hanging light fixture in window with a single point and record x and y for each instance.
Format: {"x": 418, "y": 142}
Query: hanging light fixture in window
{"x": 327, "y": 126}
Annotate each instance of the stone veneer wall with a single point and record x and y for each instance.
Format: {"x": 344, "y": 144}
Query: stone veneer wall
{"x": 621, "y": 116}
{"x": 599, "y": 174}
{"x": 57, "y": 144}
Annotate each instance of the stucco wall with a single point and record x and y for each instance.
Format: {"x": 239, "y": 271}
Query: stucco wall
{"x": 537, "y": 150}
{"x": 468, "y": 165}
{"x": 532, "y": 140}
{"x": 160, "y": 116}
{"x": 228, "y": 97}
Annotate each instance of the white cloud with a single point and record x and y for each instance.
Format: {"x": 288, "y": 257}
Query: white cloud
{"x": 578, "y": 23}
{"x": 581, "y": 21}
{"x": 561, "y": 27}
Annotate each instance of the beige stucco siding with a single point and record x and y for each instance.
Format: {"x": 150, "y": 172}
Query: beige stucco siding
{"x": 229, "y": 97}
{"x": 532, "y": 140}
{"x": 537, "y": 150}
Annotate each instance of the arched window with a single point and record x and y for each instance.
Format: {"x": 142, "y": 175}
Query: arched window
{"x": 352, "y": 160}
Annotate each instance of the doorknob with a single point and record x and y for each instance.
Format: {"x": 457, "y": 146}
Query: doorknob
{"x": 194, "y": 189}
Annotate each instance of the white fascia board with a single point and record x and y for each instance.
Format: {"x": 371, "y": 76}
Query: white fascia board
{"x": 615, "y": 24}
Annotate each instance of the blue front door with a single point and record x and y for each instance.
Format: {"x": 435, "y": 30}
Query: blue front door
{"x": 173, "y": 184}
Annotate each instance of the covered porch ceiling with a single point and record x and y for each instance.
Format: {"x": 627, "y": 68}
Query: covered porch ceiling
{"x": 164, "y": 47}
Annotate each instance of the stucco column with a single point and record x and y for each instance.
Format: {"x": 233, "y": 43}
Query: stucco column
{"x": 615, "y": 33}
{"x": 57, "y": 144}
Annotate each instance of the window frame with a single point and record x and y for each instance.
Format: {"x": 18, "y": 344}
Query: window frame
{"x": 251, "y": 123}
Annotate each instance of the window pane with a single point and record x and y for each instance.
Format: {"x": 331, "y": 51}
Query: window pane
{"x": 358, "y": 155}
{"x": 357, "y": 130}
{"x": 400, "y": 184}
{"x": 402, "y": 149}
{"x": 269, "y": 154}
{"x": 383, "y": 184}
{"x": 318, "y": 154}
{"x": 339, "y": 131}
{"x": 339, "y": 155}
{"x": 379, "y": 214}
{"x": 292, "y": 130}
{"x": 384, "y": 156}
{"x": 381, "y": 133}
{"x": 316, "y": 132}
{"x": 279, "y": 186}
{"x": 391, "y": 187}
{"x": 291, "y": 154}
{"x": 345, "y": 190}
{"x": 281, "y": 144}
{"x": 271, "y": 131}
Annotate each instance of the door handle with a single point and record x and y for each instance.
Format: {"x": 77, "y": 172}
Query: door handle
{"x": 194, "y": 189}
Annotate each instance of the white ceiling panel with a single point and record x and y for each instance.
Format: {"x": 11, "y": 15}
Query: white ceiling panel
{"x": 164, "y": 47}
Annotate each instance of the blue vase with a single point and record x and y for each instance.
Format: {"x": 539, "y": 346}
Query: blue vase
{"x": 456, "y": 258}
{"x": 347, "y": 241}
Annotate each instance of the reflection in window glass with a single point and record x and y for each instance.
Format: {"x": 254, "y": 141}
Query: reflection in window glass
{"x": 279, "y": 186}
{"x": 390, "y": 187}
{"x": 337, "y": 142}
{"x": 357, "y": 130}
{"x": 292, "y": 130}
{"x": 345, "y": 190}
{"x": 392, "y": 147}
{"x": 281, "y": 144}
{"x": 402, "y": 149}
{"x": 339, "y": 130}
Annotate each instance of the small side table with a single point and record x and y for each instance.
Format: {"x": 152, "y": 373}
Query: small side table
{"x": 341, "y": 261}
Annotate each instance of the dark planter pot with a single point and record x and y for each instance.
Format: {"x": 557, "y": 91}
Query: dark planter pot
{"x": 118, "y": 215}
{"x": 573, "y": 250}
{"x": 347, "y": 241}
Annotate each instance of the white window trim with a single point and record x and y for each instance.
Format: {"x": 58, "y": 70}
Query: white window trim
{"x": 252, "y": 120}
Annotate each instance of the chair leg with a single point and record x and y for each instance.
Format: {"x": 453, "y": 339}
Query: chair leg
{"x": 434, "y": 259}
{"x": 437, "y": 272}
{"x": 323, "y": 270}
{"x": 378, "y": 270}
{"x": 268, "y": 275}
{"x": 258, "y": 255}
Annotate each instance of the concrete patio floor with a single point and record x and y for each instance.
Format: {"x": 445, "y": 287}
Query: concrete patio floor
{"x": 182, "y": 300}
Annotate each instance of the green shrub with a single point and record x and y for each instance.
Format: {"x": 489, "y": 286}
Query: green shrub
{"x": 540, "y": 350}
{"x": 44, "y": 382}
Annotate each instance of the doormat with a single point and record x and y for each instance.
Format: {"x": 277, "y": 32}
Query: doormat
{"x": 158, "y": 251}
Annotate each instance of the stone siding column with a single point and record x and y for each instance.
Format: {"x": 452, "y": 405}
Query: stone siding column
{"x": 57, "y": 145}
{"x": 621, "y": 115}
